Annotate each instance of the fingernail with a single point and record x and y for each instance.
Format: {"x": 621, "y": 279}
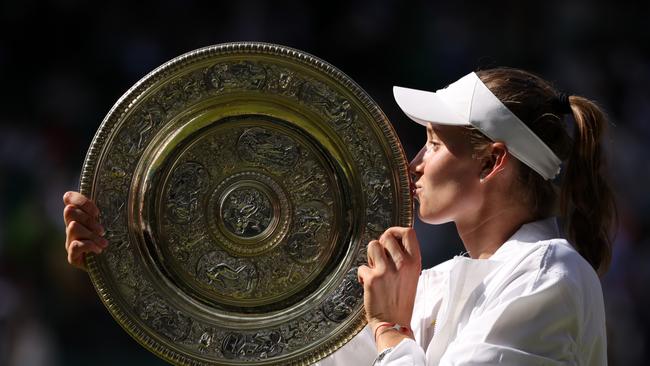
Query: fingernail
{"x": 102, "y": 231}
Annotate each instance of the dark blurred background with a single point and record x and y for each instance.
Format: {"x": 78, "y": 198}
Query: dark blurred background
{"x": 64, "y": 63}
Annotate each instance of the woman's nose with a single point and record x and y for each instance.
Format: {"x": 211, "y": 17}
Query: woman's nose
{"x": 415, "y": 166}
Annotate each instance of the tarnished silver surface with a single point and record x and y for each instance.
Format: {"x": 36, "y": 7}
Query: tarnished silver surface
{"x": 239, "y": 185}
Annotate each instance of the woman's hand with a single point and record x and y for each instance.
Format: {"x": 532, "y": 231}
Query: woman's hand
{"x": 83, "y": 231}
{"x": 390, "y": 281}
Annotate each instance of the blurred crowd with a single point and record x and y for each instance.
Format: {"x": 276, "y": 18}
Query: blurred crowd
{"x": 64, "y": 63}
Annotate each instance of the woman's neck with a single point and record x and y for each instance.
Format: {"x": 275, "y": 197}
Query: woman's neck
{"x": 486, "y": 230}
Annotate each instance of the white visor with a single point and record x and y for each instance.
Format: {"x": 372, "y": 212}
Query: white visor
{"x": 468, "y": 102}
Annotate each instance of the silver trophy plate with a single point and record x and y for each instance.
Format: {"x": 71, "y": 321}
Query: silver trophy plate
{"x": 239, "y": 185}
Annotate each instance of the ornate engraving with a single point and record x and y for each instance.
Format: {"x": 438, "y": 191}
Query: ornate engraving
{"x": 253, "y": 224}
{"x": 283, "y": 81}
{"x": 308, "y": 328}
{"x": 141, "y": 128}
{"x": 345, "y": 299}
{"x": 303, "y": 246}
{"x": 309, "y": 181}
{"x": 379, "y": 192}
{"x": 244, "y": 75}
{"x": 231, "y": 277}
{"x": 150, "y": 117}
{"x": 246, "y": 211}
{"x": 223, "y": 147}
{"x": 338, "y": 110}
{"x": 187, "y": 183}
{"x": 266, "y": 148}
{"x": 261, "y": 345}
{"x": 184, "y": 246}
{"x": 112, "y": 214}
{"x": 193, "y": 86}
{"x": 163, "y": 318}
{"x": 205, "y": 341}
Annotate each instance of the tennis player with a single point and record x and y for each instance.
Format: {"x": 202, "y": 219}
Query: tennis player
{"x": 501, "y": 164}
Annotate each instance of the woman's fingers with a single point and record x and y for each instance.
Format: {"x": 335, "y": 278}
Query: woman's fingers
{"x": 410, "y": 243}
{"x": 83, "y": 231}
{"x": 396, "y": 246}
{"x": 78, "y": 248}
{"x": 82, "y": 202}
{"x": 393, "y": 248}
{"x": 376, "y": 256}
{"x": 73, "y": 213}
{"x": 75, "y": 231}
{"x": 362, "y": 273}
{"x": 390, "y": 279}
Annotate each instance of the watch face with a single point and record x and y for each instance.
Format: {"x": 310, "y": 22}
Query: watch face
{"x": 239, "y": 185}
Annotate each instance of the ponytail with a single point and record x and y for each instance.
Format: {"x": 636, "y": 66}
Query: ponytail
{"x": 587, "y": 201}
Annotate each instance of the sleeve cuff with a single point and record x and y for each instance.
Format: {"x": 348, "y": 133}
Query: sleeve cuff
{"x": 407, "y": 352}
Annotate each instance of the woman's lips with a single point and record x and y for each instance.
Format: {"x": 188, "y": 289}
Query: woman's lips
{"x": 414, "y": 190}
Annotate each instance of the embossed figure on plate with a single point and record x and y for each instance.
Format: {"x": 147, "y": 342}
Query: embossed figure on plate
{"x": 246, "y": 211}
{"x": 231, "y": 277}
{"x": 260, "y": 146}
{"x": 187, "y": 183}
{"x": 344, "y": 299}
{"x": 303, "y": 246}
{"x": 250, "y": 346}
{"x": 160, "y": 316}
{"x": 244, "y": 74}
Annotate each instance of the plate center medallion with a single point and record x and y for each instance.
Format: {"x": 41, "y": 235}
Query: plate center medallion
{"x": 246, "y": 211}
{"x": 250, "y": 213}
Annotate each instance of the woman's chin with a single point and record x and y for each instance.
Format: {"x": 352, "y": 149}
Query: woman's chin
{"x": 432, "y": 218}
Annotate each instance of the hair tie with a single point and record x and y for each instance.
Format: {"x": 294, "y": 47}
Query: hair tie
{"x": 563, "y": 103}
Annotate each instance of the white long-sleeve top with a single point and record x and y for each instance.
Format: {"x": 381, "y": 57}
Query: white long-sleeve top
{"x": 535, "y": 301}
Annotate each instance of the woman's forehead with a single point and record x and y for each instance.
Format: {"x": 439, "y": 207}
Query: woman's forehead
{"x": 433, "y": 129}
{"x": 443, "y": 130}
{"x": 454, "y": 137}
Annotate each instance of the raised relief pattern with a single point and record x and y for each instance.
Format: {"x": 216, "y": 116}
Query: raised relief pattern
{"x": 247, "y": 212}
{"x": 188, "y": 183}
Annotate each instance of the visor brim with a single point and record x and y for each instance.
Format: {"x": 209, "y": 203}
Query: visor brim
{"x": 426, "y": 107}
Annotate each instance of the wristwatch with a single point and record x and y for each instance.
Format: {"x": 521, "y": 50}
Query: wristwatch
{"x": 382, "y": 355}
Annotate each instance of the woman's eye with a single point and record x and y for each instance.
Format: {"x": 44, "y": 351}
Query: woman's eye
{"x": 432, "y": 145}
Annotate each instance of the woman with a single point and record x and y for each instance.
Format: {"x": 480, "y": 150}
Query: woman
{"x": 496, "y": 142}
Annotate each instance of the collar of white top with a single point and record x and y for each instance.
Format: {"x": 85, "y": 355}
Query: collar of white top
{"x": 469, "y": 102}
{"x": 530, "y": 233}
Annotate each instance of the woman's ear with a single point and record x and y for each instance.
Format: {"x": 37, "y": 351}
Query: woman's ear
{"x": 494, "y": 161}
